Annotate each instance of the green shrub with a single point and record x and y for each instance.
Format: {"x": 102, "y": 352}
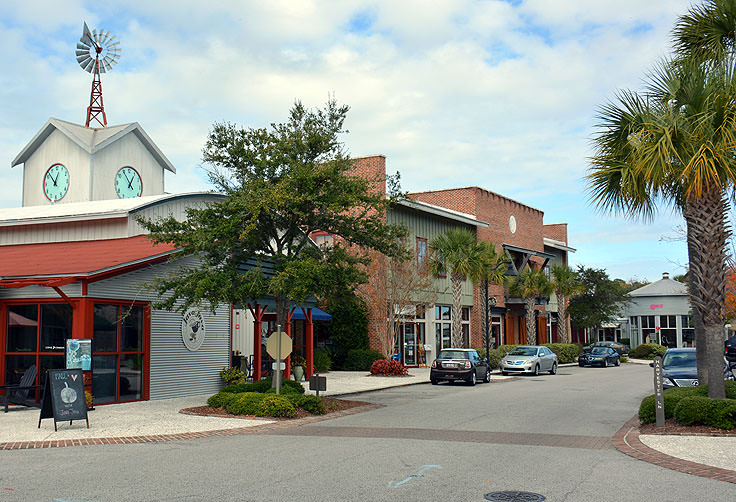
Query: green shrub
{"x": 361, "y": 359}
{"x": 624, "y": 359}
{"x": 313, "y": 404}
{"x": 231, "y": 375}
{"x": 495, "y": 356}
{"x": 625, "y": 341}
{"x": 700, "y": 410}
{"x": 221, "y": 399}
{"x": 566, "y": 352}
{"x": 505, "y": 349}
{"x": 673, "y": 396}
{"x": 648, "y": 351}
{"x": 322, "y": 361}
{"x": 246, "y": 403}
{"x": 262, "y": 386}
{"x": 276, "y": 406}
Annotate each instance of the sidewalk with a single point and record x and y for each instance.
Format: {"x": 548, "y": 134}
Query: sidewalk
{"x": 152, "y": 421}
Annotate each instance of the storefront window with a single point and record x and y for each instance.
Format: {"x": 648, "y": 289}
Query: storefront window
{"x": 688, "y": 331}
{"x": 36, "y": 335}
{"x": 117, "y": 371}
{"x": 442, "y": 328}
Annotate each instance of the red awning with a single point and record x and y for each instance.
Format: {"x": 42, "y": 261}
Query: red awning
{"x": 56, "y": 264}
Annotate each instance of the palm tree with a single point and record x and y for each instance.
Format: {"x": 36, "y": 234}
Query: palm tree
{"x": 531, "y": 285}
{"x": 675, "y": 145}
{"x": 566, "y": 285}
{"x": 707, "y": 32}
{"x": 457, "y": 254}
{"x": 492, "y": 271}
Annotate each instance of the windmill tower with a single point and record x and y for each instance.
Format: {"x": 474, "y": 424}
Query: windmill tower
{"x": 97, "y": 52}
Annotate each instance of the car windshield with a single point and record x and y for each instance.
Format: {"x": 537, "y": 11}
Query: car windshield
{"x": 453, "y": 354}
{"x": 523, "y": 351}
{"x": 599, "y": 350}
{"x": 679, "y": 360}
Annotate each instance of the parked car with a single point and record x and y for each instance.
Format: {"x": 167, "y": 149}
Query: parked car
{"x": 603, "y": 356}
{"x": 680, "y": 368}
{"x": 459, "y": 364}
{"x": 529, "y": 359}
{"x": 618, "y": 347}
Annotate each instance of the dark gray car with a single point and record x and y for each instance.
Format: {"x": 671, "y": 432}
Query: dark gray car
{"x": 459, "y": 364}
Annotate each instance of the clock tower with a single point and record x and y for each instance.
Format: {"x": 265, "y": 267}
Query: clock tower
{"x": 66, "y": 162}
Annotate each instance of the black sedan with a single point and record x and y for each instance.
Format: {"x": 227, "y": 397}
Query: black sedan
{"x": 600, "y": 356}
{"x": 459, "y": 364}
{"x": 618, "y": 347}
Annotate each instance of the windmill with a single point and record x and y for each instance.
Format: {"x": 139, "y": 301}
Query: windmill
{"x": 97, "y": 52}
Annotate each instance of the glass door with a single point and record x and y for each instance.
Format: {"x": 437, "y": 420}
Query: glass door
{"x": 410, "y": 345}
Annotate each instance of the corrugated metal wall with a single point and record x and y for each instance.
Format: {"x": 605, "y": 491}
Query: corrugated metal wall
{"x": 175, "y": 370}
{"x": 72, "y": 290}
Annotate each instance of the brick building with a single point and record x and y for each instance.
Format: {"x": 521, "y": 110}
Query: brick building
{"x": 517, "y": 230}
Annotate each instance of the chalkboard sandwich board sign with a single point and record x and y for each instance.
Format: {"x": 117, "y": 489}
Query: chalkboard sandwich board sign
{"x": 63, "y": 397}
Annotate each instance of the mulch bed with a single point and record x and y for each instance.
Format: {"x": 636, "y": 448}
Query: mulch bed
{"x": 671, "y": 427}
{"x": 332, "y": 405}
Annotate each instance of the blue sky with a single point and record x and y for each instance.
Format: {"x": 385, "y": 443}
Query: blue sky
{"x": 497, "y": 94}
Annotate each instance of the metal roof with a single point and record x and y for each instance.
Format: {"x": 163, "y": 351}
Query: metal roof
{"x": 92, "y": 140}
{"x": 553, "y": 243}
{"x": 444, "y": 212}
{"x": 89, "y": 210}
{"x": 662, "y": 287}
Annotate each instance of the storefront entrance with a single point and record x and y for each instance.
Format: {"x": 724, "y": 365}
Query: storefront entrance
{"x": 412, "y": 339}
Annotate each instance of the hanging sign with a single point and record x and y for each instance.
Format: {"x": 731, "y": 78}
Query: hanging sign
{"x": 79, "y": 354}
{"x": 192, "y": 329}
{"x": 63, "y": 397}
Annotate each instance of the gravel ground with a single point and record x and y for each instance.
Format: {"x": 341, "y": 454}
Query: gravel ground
{"x": 715, "y": 451}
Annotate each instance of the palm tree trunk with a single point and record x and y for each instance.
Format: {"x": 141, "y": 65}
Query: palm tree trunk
{"x": 707, "y": 234}
{"x": 562, "y": 318}
{"x": 531, "y": 325}
{"x": 457, "y": 298}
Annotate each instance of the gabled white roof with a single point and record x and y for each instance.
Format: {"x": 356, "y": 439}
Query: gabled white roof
{"x": 443, "y": 211}
{"x": 92, "y": 140}
{"x": 553, "y": 243}
{"x": 662, "y": 287}
{"x": 88, "y": 210}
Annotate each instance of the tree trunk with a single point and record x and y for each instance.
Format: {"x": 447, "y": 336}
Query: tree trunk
{"x": 457, "y": 298}
{"x": 707, "y": 234}
{"x": 562, "y": 318}
{"x": 531, "y": 325}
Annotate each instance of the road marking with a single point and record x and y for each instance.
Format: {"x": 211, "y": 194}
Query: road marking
{"x": 420, "y": 474}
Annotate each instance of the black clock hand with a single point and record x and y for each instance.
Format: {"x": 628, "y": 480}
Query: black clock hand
{"x": 57, "y": 177}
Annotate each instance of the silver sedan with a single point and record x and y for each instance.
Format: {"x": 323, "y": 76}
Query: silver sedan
{"x": 529, "y": 359}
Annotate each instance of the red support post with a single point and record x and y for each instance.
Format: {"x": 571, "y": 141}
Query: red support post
{"x": 257, "y": 319}
{"x": 287, "y": 330}
{"x": 309, "y": 342}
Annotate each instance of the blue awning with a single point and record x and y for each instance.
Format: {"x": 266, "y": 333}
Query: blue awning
{"x": 317, "y": 314}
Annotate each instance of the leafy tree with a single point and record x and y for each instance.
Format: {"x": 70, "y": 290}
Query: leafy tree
{"x": 566, "y": 285}
{"x": 531, "y": 285}
{"x": 282, "y": 183}
{"x": 457, "y": 254}
{"x": 349, "y": 326}
{"x": 602, "y": 299}
{"x": 674, "y": 145}
{"x": 492, "y": 273}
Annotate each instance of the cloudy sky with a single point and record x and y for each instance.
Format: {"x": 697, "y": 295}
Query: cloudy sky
{"x": 499, "y": 94}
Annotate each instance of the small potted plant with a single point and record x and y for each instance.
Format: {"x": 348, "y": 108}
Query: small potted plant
{"x": 297, "y": 367}
{"x": 231, "y": 375}
{"x": 89, "y": 399}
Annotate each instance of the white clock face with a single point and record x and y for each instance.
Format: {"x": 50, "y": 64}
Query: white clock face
{"x": 128, "y": 183}
{"x": 56, "y": 182}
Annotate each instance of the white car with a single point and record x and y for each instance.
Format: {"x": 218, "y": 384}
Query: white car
{"x": 529, "y": 359}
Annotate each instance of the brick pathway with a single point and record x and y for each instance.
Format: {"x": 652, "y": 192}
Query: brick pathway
{"x": 627, "y": 441}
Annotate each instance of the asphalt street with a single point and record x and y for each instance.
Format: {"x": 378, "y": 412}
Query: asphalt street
{"x": 547, "y": 435}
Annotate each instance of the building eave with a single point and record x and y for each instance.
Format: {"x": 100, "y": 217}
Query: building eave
{"x": 468, "y": 219}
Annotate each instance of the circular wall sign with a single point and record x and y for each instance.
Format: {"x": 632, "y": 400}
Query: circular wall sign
{"x": 512, "y": 224}
{"x": 192, "y": 329}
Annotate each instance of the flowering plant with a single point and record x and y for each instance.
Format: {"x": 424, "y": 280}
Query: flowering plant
{"x": 383, "y": 367}
{"x": 299, "y": 361}
{"x": 230, "y": 375}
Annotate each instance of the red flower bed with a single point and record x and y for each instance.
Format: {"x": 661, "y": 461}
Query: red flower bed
{"x": 383, "y": 367}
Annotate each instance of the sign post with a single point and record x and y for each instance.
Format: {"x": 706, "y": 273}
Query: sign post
{"x": 317, "y": 383}
{"x": 658, "y": 391}
{"x": 278, "y": 346}
{"x": 63, "y": 397}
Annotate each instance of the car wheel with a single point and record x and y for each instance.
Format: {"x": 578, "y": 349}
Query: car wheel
{"x": 618, "y": 362}
{"x": 605, "y": 363}
{"x": 434, "y": 381}
{"x": 487, "y": 378}
{"x": 536, "y": 370}
{"x": 553, "y": 371}
{"x": 581, "y": 364}
{"x": 505, "y": 373}
{"x": 471, "y": 378}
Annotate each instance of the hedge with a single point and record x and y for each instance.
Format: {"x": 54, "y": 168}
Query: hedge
{"x": 277, "y": 406}
{"x": 566, "y": 352}
{"x": 261, "y": 386}
{"x": 699, "y": 410}
{"x": 313, "y": 404}
{"x": 221, "y": 399}
{"x": 361, "y": 359}
{"x": 673, "y": 396}
{"x": 393, "y": 368}
{"x": 322, "y": 361}
{"x": 648, "y": 351}
{"x": 246, "y": 403}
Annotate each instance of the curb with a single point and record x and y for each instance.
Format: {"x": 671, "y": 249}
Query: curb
{"x": 627, "y": 441}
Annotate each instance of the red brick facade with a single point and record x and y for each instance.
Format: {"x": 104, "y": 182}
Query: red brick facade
{"x": 510, "y": 223}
